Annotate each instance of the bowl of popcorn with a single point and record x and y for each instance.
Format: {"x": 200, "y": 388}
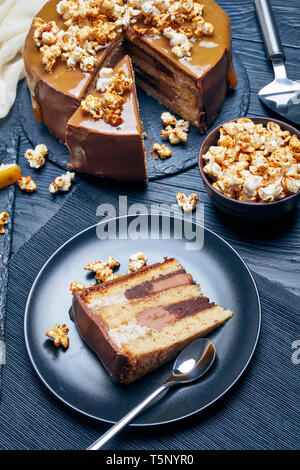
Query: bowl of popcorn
{"x": 251, "y": 167}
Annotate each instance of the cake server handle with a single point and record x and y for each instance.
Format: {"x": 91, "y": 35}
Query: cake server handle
{"x": 129, "y": 417}
{"x": 269, "y": 29}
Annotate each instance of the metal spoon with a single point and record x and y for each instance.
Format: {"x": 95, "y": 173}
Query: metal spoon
{"x": 190, "y": 365}
{"x": 282, "y": 95}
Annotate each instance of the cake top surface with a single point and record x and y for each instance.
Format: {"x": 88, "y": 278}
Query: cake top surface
{"x": 75, "y": 34}
{"x": 75, "y": 81}
{"x": 129, "y": 118}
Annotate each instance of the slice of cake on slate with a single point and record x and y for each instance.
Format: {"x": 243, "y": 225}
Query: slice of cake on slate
{"x": 104, "y": 135}
{"x": 139, "y": 321}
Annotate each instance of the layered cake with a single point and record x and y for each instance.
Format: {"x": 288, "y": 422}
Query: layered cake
{"x": 139, "y": 321}
{"x": 181, "y": 53}
{"x": 98, "y": 142}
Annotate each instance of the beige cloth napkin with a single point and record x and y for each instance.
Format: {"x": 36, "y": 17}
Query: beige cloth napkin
{"x": 15, "y": 20}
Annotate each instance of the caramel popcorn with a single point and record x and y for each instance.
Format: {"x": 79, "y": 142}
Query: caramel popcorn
{"x": 62, "y": 183}
{"x": 27, "y": 184}
{"x": 109, "y": 106}
{"x": 36, "y": 157}
{"x": 137, "y": 261}
{"x": 254, "y": 163}
{"x": 168, "y": 119}
{"x": 3, "y": 221}
{"x": 104, "y": 270}
{"x": 175, "y": 134}
{"x": 90, "y": 25}
{"x": 187, "y": 203}
{"x": 59, "y": 335}
{"x": 161, "y": 151}
{"x": 76, "y": 286}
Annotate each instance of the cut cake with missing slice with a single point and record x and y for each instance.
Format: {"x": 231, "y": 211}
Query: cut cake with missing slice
{"x": 139, "y": 321}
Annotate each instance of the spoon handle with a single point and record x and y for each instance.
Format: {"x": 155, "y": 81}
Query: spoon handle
{"x": 269, "y": 29}
{"x": 128, "y": 418}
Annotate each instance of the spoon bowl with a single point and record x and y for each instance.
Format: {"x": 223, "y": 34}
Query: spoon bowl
{"x": 193, "y": 361}
{"x": 191, "y": 364}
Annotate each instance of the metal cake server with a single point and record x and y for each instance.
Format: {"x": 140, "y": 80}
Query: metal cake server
{"x": 282, "y": 95}
{"x": 190, "y": 365}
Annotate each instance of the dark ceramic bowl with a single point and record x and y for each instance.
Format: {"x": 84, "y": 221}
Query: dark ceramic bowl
{"x": 246, "y": 210}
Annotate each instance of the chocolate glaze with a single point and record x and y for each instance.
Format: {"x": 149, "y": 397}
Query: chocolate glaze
{"x": 103, "y": 150}
{"x": 57, "y": 95}
{"x": 158, "y": 317}
{"x": 175, "y": 279}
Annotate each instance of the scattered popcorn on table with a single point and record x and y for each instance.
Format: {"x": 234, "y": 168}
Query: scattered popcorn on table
{"x": 62, "y": 183}
{"x": 3, "y": 221}
{"x": 36, "y": 157}
{"x": 254, "y": 163}
{"x": 27, "y": 184}
{"x": 161, "y": 151}
{"x": 137, "y": 261}
{"x": 9, "y": 174}
{"x": 59, "y": 335}
{"x": 187, "y": 203}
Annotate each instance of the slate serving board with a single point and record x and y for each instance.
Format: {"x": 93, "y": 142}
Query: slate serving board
{"x": 184, "y": 156}
{"x": 8, "y": 154}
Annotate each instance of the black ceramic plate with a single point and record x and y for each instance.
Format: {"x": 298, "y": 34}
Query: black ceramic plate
{"x": 184, "y": 156}
{"x": 77, "y": 377}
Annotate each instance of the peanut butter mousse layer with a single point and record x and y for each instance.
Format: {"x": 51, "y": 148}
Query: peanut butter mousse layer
{"x": 139, "y": 321}
{"x": 108, "y": 141}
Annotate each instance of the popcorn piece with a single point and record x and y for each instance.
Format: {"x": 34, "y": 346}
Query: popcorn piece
{"x": 104, "y": 271}
{"x": 3, "y": 221}
{"x": 168, "y": 119}
{"x": 9, "y": 174}
{"x": 251, "y": 185}
{"x": 105, "y": 79}
{"x": 213, "y": 169}
{"x": 137, "y": 261}
{"x": 62, "y": 183}
{"x": 272, "y": 192}
{"x": 36, "y": 157}
{"x": 27, "y": 184}
{"x": 76, "y": 286}
{"x": 291, "y": 185}
{"x": 187, "y": 203}
{"x": 92, "y": 104}
{"x": 59, "y": 335}
{"x": 49, "y": 56}
{"x": 161, "y": 151}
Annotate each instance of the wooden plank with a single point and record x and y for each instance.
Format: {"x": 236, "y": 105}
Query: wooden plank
{"x": 244, "y": 23}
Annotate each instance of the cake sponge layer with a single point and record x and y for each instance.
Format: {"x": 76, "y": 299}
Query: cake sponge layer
{"x": 139, "y": 321}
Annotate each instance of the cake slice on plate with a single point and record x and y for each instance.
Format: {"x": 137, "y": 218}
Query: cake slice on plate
{"x": 104, "y": 135}
{"x": 139, "y": 321}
